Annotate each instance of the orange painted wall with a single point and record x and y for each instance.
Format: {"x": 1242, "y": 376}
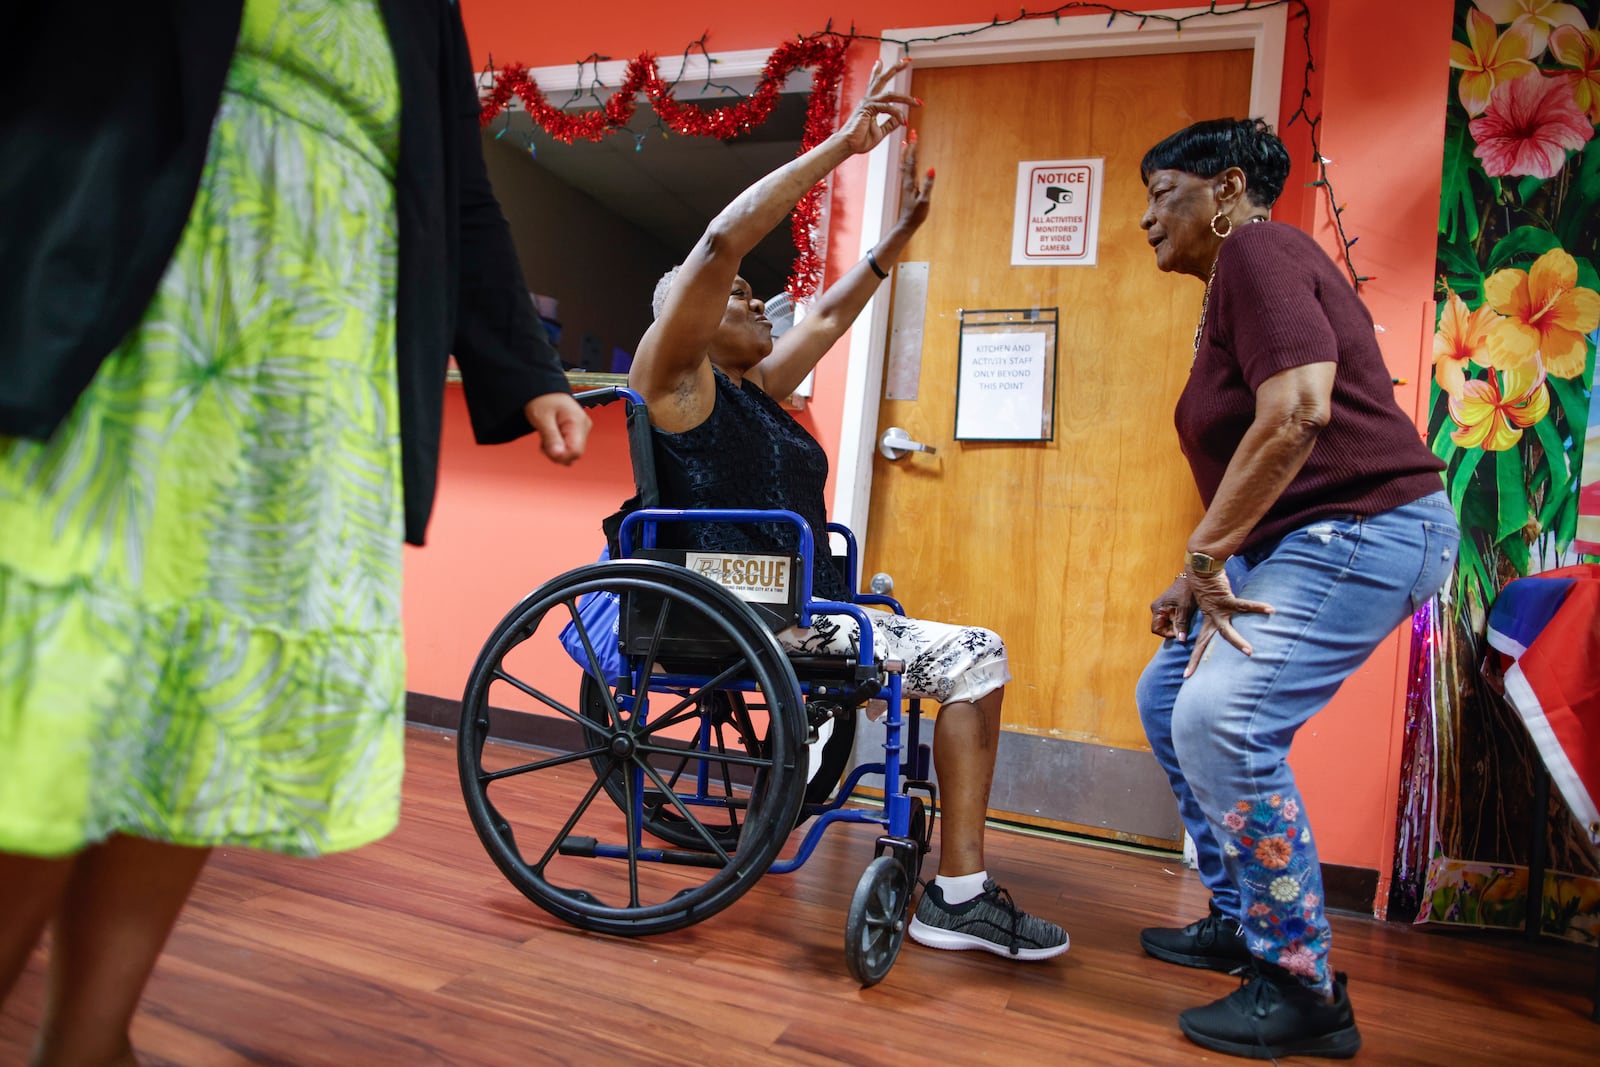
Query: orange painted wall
{"x": 506, "y": 520}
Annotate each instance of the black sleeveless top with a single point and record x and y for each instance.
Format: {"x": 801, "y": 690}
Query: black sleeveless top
{"x": 749, "y": 453}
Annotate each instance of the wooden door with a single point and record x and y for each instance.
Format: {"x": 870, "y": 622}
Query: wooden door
{"x": 1059, "y": 545}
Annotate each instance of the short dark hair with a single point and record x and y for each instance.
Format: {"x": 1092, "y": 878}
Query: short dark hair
{"x": 1208, "y": 148}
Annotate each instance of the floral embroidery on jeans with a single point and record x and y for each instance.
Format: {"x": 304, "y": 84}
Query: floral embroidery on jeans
{"x": 1268, "y": 850}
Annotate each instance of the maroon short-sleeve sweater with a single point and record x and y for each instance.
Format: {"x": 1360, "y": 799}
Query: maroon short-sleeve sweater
{"x": 1278, "y": 302}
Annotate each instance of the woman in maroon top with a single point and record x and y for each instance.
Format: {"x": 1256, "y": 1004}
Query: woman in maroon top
{"x": 1325, "y": 527}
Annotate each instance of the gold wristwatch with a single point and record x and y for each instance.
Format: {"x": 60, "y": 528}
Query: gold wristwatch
{"x": 1202, "y": 565}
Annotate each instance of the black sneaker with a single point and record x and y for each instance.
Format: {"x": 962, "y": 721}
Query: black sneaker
{"x": 1271, "y": 1016}
{"x": 989, "y": 921}
{"x": 1215, "y": 942}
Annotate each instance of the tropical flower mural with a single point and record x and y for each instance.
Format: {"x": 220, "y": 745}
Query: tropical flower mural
{"x": 1512, "y": 416}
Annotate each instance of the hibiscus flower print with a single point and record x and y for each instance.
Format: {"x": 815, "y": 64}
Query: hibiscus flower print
{"x": 1546, "y": 314}
{"x": 1462, "y": 338}
{"x": 1492, "y": 416}
{"x": 1531, "y": 124}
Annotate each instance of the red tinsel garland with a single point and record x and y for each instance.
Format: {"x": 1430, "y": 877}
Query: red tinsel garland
{"x": 642, "y": 75}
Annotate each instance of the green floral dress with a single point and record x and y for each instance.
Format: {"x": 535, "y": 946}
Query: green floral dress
{"x": 200, "y": 572}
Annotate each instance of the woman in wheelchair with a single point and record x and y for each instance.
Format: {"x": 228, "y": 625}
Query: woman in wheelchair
{"x": 711, "y": 377}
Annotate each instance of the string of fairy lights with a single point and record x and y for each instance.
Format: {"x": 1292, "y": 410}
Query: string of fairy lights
{"x": 823, "y": 52}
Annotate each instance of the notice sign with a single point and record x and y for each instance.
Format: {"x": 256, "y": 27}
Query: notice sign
{"x": 1058, "y": 213}
{"x": 1001, "y": 391}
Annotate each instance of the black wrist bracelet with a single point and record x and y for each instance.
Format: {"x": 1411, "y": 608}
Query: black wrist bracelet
{"x": 872, "y": 261}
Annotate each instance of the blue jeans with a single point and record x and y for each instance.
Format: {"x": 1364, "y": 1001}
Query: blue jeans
{"x": 1340, "y": 586}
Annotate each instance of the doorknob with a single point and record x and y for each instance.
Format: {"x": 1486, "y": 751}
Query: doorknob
{"x": 895, "y": 443}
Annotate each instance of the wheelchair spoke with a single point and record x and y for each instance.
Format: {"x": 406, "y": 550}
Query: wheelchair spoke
{"x": 683, "y": 809}
{"x": 754, "y": 746}
{"x": 593, "y": 667}
{"x": 566, "y": 828}
{"x": 724, "y": 758}
{"x": 629, "y": 792}
{"x": 727, "y": 779}
{"x": 539, "y": 765}
{"x": 549, "y": 701}
{"x": 641, "y": 684}
{"x": 691, "y": 705}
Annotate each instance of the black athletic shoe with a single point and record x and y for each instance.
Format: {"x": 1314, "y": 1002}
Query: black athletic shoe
{"x": 989, "y": 921}
{"x": 1271, "y": 1016}
{"x": 1215, "y": 942}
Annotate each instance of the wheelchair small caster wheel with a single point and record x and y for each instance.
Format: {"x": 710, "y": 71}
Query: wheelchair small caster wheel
{"x": 876, "y": 927}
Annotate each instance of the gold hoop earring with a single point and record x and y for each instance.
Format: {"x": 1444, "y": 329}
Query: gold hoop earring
{"x": 1224, "y": 218}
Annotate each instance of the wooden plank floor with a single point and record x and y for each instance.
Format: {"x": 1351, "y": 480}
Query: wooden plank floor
{"x": 415, "y": 951}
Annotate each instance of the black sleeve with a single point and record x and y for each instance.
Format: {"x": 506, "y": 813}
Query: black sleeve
{"x": 506, "y": 359}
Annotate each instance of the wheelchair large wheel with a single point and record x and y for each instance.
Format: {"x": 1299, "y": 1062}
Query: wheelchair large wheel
{"x": 732, "y": 728}
{"x": 544, "y": 816}
{"x": 876, "y": 926}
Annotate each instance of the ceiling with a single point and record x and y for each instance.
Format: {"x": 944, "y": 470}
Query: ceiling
{"x": 671, "y": 185}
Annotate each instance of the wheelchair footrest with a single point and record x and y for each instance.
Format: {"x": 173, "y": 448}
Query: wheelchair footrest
{"x": 589, "y": 848}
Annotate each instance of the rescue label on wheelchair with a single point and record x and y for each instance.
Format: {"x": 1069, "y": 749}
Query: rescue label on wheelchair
{"x": 756, "y": 578}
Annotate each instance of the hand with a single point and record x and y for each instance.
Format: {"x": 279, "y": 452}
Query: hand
{"x": 1213, "y": 595}
{"x": 562, "y": 425}
{"x": 1171, "y": 611}
{"x": 915, "y": 196}
{"x": 880, "y": 112}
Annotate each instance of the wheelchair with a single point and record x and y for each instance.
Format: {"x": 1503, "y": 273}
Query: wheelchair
{"x": 684, "y": 746}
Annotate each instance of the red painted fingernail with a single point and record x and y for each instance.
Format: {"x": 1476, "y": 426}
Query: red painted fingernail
{"x": 918, "y": 99}
{"x": 930, "y": 172}
{"x": 911, "y": 136}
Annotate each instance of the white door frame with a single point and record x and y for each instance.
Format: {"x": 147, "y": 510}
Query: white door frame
{"x": 1032, "y": 40}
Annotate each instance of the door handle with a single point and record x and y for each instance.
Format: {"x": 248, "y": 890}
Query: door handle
{"x": 895, "y": 443}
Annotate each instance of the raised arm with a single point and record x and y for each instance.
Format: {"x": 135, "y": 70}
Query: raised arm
{"x": 671, "y": 364}
{"x": 798, "y": 350}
